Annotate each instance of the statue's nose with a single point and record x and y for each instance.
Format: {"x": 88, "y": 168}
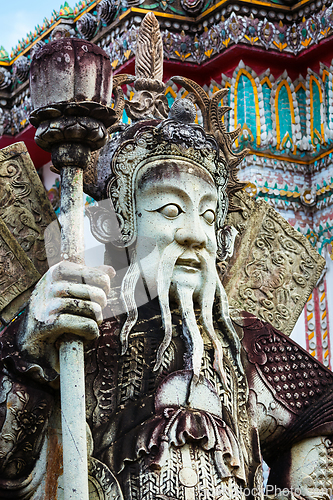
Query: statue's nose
{"x": 192, "y": 235}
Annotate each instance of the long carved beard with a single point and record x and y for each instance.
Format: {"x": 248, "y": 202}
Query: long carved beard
{"x": 184, "y": 295}
{"x": 127, "y": 294}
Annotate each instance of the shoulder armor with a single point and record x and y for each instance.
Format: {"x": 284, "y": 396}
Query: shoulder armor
{"x": 298, "y": 381}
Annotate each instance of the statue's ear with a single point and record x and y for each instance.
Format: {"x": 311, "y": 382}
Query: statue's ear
{"x": 104, "y": 224}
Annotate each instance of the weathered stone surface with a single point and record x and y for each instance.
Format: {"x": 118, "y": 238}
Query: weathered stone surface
{"x": 29, "y": 242}
{"x": 25, "y": 207}
{"x": 69, "y": 69}
{"x": 273, "y": 269}
{"x": 17, "y": 274}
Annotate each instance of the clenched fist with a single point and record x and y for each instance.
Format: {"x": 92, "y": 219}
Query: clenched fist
{"x": 69, "y": 299}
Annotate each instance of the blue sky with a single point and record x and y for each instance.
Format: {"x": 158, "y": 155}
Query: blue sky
{"x": 19, "y": 17}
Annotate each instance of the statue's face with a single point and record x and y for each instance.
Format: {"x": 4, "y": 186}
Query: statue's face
{"x": 175, "y": 201}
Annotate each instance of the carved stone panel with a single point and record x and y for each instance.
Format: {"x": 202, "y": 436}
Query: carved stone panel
{"x": 17, "y": 274}
{"x": 273, "y": 269}
{"x": 25, "y": 207}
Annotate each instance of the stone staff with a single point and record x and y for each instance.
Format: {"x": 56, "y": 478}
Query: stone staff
{"x": 71, "y": 85}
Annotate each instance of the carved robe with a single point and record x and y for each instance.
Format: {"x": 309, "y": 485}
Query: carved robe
{"x": 148, "y": 432}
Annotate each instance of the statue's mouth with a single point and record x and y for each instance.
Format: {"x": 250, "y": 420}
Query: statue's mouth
{"x": 189, "y": 264}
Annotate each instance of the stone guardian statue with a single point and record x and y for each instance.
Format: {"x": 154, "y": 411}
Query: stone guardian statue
{"x": 184, "y": 396}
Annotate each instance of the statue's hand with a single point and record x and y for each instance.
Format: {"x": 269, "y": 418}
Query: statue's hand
{"x": 69, "y": 299}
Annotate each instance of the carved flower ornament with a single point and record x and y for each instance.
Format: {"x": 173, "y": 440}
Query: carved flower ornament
{"x": 28, "y": 422}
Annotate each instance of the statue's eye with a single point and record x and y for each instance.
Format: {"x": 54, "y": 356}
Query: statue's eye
{"x": 170, "y": 211}
{"x": 209, "y": 216}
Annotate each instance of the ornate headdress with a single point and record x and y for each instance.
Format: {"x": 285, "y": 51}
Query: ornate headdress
{"x": 157, "y": 133}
